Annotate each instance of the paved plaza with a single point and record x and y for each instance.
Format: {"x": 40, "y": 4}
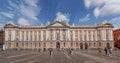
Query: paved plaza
{"x": 81, "y": 56}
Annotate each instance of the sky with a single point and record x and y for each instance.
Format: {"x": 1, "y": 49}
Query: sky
{"x": 41, "y": 12}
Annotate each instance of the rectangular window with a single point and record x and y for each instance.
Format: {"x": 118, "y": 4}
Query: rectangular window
{"x": 76, "y": 44}
{"x": 93, "y": 35}
{"x": 16, "y": 44}
{"x": 51, "y": 37}
{"x": 31, "y": 38}
{"x": 44, "y": 44}
{"x": 17, "y": 35}
{"x": 99, "y": 35}
{"x": 94, "y": 44}
{"x": 64, "y": 44}
{"x": 35, "y": 38}
{"x": 22, "y": 44}
{"x": 22, "y": 35}
{"x": 39, "y": 44}
{"x": 35, "y": 34}
{"x": 26, "y": 35}
{"x": 9, "y": 44}
{"x": 84, "y": 35}
{"x": 26, "y": 44}
{"x": 76, "y": 35}
{"x": 31, "y": 44}
{"x": 71, "y": 37}
{"x": 44, "y": 35}
{"x": 31, "y": 35}
{"x": 71, "y": 44}
{"x": 27, "y": 38}
{"x": 89, "y": 35}
{"x": 39, "y": 35}
{"x": 35, "y": 44}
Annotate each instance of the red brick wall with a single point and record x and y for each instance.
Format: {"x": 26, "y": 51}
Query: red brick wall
{"x": 116, "y": 34}
{"x": 1, "y": 37}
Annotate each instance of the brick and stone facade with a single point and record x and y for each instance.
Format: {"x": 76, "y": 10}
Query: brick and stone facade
{"x": 58, "y": 35}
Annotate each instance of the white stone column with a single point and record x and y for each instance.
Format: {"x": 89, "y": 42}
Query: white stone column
{"x": 54, "y": 34}
{"x": 68, "y": 34}
{"x": 12, "y": 35}
{"x": 61, "y": 37}
{"x": 103, "y": 34}
{"x": 37, "y": 36}
{"x": 20, "y": 35}
{"x": 66, "y": 31}
{"x": 47, "y": 35}
{"x": 24, "y": 36}
{"x": 73, "y": 31}
{"x": 83, "y": 35}
{"x": 87, "y": 35}
{"x": 42, "y": 35}
{"x": 96, "y": 36}
{"x": 6, "y": 35}
{"x": 91, "y": 35}
{"x": 111, "y": 34}
{"x": 80, "y": 35}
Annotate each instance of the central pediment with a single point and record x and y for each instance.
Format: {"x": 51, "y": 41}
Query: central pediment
{"x": 57, "y": 24}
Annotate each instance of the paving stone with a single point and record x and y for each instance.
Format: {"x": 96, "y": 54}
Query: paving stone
{"x": 57, "y": 57}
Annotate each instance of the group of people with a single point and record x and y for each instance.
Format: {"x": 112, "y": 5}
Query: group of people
{"x": 107, "y": 50}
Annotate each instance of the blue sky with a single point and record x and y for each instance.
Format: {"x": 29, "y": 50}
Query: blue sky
{"x": 79, "y": 12}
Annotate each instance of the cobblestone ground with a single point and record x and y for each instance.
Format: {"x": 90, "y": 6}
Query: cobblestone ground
{"x": 82, "y": 56}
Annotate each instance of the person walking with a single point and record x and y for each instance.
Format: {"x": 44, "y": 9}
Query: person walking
{"x": 50, "y": 51}
{"x": 106, "y": 51}
{"x": 100, "y": 50}
{"x": 70, "y": 51}
{"x": 110, "y": 50}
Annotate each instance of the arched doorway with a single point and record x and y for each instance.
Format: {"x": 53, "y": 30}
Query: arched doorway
{"x": 81, "y": 45}
{"x": 107, "y": 44}
{"x": 86, "y": 46}
{"x": 57, "y": 44}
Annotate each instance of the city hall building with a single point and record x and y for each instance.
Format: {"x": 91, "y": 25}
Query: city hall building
{"x": 58, "y": 35}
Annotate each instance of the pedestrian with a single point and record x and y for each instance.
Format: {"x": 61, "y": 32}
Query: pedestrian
{"x": 106, "y": 52}
{"x": 50, "y": 51}
{"x": 110, "y": 50}
{"x": 69, "y": 51}
{"x": 99, "y": 50}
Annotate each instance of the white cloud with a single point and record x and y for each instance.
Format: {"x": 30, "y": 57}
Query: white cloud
{"x": 104, "y": 7}
{"x": 62, "y": 17}
{"x": 27, "y": 9}
{"x": 116, "y": 22}
{"x": 9, "y": 15}
{"x": 32, "y": 2}
{"x": 29, "y": 12}
{"x": 23, "y": 21}
{"x": 86, "y": 18}
{"x": 13, "y": 5}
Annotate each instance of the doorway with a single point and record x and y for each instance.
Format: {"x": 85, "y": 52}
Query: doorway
{"x": 57, "y": 44}
{"x": 81, "y": 45}
{"x": 86, "y": 46}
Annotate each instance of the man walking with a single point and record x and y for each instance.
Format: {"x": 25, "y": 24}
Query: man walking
{"x": 106, "y": 51}
{"x": 50, "y": 51}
